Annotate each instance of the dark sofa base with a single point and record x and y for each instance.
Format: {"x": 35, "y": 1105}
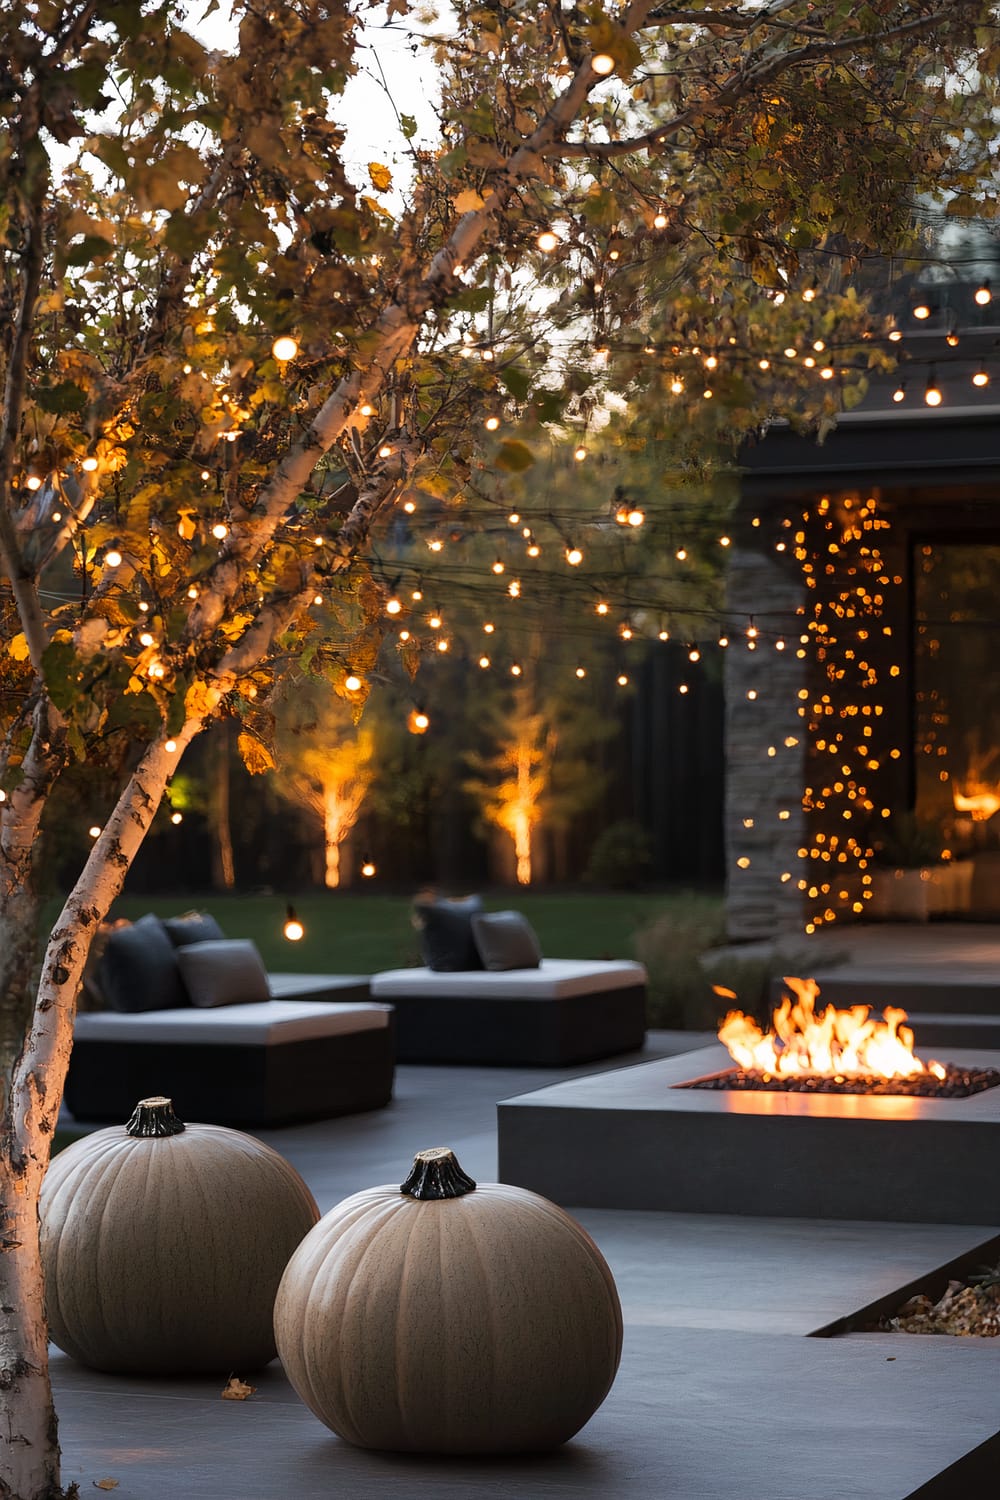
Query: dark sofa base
{"x": 457, "y": 1028}
{"x": 235, "y": 1084}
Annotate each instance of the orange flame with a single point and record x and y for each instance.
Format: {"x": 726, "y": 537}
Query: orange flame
{"x": 835, "y": 1042}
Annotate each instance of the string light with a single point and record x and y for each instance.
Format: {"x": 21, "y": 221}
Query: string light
{"x": 94, "y": 832}
{"x": 176, "y": 818}
{"x": 922, "y": 311}
{"x": 393, "y": 606}
{"x": 484, "y": 662}
{"x": 899, "y": 394}
{"x": 33, "y": 482}
{"x": 602, "y": 63}
{"x": 113, "y": 557}
{"x": 285, "y": 348}
{"x": 580, "y": 454}
{"x": 352, "y": 682}
{"x": 418, "y": 722}
{"x": 220, "y": 530}
{"x": 547, "y": 241}
{"x": 491, "y": 424}
{"x": 983, "y": 294}
{"x": 293, "y": 929}
{"x": 932, "y": 392}
{"x": 367, "y": 869}
{"x": 981, "y": 377}
{"x": 574, "y": 556}
{"x": 89, "y": 464}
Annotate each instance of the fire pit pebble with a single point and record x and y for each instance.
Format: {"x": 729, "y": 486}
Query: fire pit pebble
{"x": 957, "y": 1083}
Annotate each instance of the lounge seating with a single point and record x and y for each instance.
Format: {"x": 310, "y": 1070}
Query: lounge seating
{"x": 186, "y": 1012}
{"x": 564, "y": 1011}
{"x": 267, "y": 1063}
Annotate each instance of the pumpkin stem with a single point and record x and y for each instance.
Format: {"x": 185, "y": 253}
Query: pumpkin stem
{"x": 436, "y": 1174}
{"x": 154, "y": 1117}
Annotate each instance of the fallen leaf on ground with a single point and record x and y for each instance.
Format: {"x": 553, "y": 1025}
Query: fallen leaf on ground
{"x": 237, "y": 1390}
{"x": 105, "y": 1484}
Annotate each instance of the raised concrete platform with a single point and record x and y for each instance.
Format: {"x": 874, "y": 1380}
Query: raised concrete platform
{"x": 632, "y": 1138}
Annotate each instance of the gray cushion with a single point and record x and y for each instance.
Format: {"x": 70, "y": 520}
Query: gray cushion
{"x": 446, "y": 933}
{"x": 229, "y": 971}
{"x": 193, "y": 927}
{"x": 138, "y": 969}
{"x": 506, "y": 940}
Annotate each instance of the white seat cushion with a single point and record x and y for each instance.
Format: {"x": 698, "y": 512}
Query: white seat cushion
{"x": 262, "y": 1023}
{"x": 555, "y": 979}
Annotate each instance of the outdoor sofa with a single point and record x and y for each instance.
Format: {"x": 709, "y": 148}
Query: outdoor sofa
{"x": 192, "y": 1015}
{"x": 486, "y": 995}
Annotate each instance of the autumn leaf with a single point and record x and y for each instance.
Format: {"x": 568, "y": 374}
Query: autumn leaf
{"x": 106, "y": 1484}
{"x": 379, "y": 176}
{"x": 514, "y": 457}
{"x": 467, "y": 201}
{"x": 256, "y": 756}
{"x": 236, "y": 1389}
{"x": 18, "y": 647}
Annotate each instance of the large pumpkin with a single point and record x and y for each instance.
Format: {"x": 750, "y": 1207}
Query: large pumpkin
{"x": 163, "y": 1245}
{"x": 443, "y": 1317}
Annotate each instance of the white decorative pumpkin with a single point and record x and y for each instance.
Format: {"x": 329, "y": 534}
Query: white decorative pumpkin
{"x": 163, "y": 1245}
{"x": 443, "y": 1317}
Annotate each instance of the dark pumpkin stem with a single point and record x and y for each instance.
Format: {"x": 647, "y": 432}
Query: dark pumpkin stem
{"x": 436, "y": 1174}
{"x": 154, "y": 1117}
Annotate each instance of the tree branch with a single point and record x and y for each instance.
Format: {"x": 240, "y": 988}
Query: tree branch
{"x": 741, "y": 86}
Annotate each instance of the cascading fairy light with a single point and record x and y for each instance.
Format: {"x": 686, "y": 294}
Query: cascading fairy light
{"x": 848, "y": 732}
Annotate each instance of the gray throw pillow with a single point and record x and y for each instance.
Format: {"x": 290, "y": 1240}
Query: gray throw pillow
{"x": 193, "y": 927}
{"x": 138, "y": 969}
{"x": 229, "y": 971}
{"x": 446, "y": 934}
{"x": 506, "y": 940}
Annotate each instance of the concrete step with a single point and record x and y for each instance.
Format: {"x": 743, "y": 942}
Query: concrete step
{"x": 930, "y": 990}
{"x": 974, "y": 1032}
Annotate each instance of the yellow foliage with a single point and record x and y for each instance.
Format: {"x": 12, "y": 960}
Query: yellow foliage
{"x": 200, "y": 700}
{"x": 256, "y": 756}
{"x": 380, "y": 176}
{"x": 18, "y": 647}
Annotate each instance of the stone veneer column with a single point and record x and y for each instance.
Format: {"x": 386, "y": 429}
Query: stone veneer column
{"x": 759, "y": 786}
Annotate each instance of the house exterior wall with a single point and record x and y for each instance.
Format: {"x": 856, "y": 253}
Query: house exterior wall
{"x": 764, "y": 773}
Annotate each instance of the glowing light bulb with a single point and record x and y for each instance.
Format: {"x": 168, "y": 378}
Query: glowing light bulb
{"x": 574, "y": 556}
{"x": 725, "y": 541}
{"x": 635, "y": 517}
{"x": 681, "y": 554}
{"x": 491, "y": 424}
{"x": 932, "y": 394}
{"x": 33, "y": 482}
{"x": 192, "y": 592}
{"x": 285, "y": 348}
{"x": 899, "y": 394}
{"x": 581, "y": 671}
{"x": 622, "y": 679}
{"x": 145, "y": 639}
{"x": 220, "y": 530}
{"x": 317, "y": 598}
{"x": 366, "y": 409}
{"x": 484, "y": 662}
{"x": 894, "y": 335}
{"x": 393, "y": 606}
{"x": 826, "y": 373}
{"x": 602, "y": 63}
{"x": 418, "y": 722}
{"x": 170, "y": 746}
{"x": 547, "y": 241}
{"x": 922, "y": 311}
{"x": 513, "y": 518}
{"x": 489, "y": 628}
{"x": 293, "y": 929}
{"x": 763, "y": 364}
{"x": 711, "y": 362}
{"x": 601, "y": 608}
{"x": 113, "y": 557}
{"x": 659, "y": 221}
{"x": 498, "y": 566}
{"x": 409, "y": 507}
{"x": 983, "y": 295}
{"x": 368, "y": 869}
{"x": 580, "y": 454}
{"x": 515, "y": 670}
{"x": 352, "y": 682}
{"x": 89, "y": 464}
{"x": 981, "y": 378}
{"x": 94, "y": 832}
{"x": 176, "y": 818}
{"x": 676, "y": 385}
{"x": 385, "y": 451}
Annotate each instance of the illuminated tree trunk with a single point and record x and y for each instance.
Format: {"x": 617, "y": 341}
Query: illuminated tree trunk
{"x": 522, "y": 815}
{"x": 333, "y": 832}
{"x": 223, "y": 863}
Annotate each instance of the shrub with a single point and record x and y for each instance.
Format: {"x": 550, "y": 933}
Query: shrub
{"x": 620, "y": 856}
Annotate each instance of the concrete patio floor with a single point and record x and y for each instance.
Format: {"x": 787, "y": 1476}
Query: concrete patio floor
{"x": 721, "y": 1394}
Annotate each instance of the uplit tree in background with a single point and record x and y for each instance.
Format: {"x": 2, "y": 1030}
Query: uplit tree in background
{"x": 325, "y": 763}
{"x": 227, "y": 361}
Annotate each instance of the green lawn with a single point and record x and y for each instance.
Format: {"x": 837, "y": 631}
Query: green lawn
{"x": 359, "y": 933}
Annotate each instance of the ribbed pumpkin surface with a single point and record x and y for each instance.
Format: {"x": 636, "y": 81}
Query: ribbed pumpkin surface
{"x": 163, "y": 1256}
{"x": 487, "y": 1323}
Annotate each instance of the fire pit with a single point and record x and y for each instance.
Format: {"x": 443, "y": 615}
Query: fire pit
{"x": 834, "y": 1052}
{"x": 686, "y": 1134}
